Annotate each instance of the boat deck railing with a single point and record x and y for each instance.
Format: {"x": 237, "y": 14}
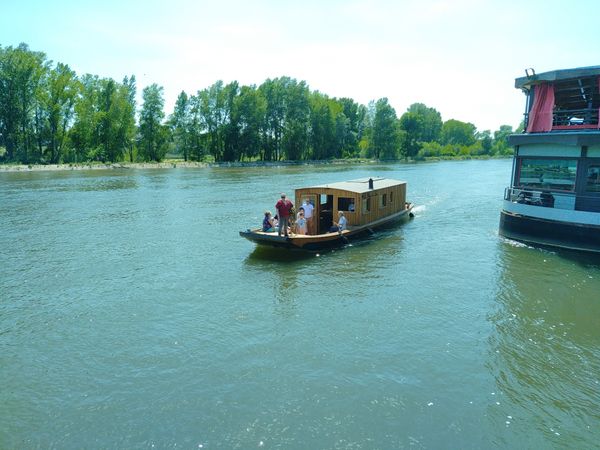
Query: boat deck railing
{"x": 572, "y": 119}
{"x": 548, "y": 199}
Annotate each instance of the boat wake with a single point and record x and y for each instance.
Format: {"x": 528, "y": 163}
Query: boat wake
{"x": 419, "y": 209}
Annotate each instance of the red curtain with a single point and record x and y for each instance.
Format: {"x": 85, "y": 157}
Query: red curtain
{"x": 540, "y": 116}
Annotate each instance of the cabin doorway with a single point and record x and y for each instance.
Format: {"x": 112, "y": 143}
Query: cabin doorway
{"x": 313, "y": 199}
{"x": 325, "y": 213}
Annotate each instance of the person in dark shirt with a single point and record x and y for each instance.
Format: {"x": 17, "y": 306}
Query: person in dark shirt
{"x": 283, "y": 207}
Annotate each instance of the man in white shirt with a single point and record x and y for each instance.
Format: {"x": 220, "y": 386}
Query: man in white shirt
{"x": 308, "y": 215}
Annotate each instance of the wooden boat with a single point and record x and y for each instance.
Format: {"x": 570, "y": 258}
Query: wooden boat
{"x": 554, "y": 195}
{"x": 367, "y": 203}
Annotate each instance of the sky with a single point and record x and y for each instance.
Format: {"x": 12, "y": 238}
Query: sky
{"x": 458, "y": 56}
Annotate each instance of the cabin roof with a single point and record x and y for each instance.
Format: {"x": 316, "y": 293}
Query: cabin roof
{"x": 557, "y": 75}
{"x": 359, "y": 185}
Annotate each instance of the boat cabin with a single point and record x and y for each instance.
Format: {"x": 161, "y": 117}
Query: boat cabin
{"x": 561, "y": 99}
{"x": 363, "y": 201}
{"x": 558, "y": 155}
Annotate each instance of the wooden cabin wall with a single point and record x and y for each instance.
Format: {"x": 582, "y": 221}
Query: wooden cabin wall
{"x": 356, "y": 217}
{"x": 377, "y": 212}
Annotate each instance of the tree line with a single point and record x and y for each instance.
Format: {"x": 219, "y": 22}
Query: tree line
{"x": 49, "y": 114}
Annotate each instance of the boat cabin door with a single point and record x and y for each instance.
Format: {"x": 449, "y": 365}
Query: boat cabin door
{"x": 324, "y": 213}
{"x": 313, "y": 199}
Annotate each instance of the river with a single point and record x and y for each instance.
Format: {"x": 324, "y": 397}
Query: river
{"x": 132, "y": 315}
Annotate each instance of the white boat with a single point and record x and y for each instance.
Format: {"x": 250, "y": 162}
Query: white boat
{"x": 554, "y": 195}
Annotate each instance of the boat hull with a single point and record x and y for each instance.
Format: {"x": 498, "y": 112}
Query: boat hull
{"x": 551, "y": 233}
{"x": 321, "y": 241}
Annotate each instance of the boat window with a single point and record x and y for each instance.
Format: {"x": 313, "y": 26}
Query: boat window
{"x": 382, "y": 200}
{"x": 326, "y": 201}
{"x": 391, "y": 196}
{"x": 553, "y": 174}
{"x": 593, "y": 179}
{"x": 366, "y": 205}
{"x": 576, "y": 103}
{"x": 345, "y": 204}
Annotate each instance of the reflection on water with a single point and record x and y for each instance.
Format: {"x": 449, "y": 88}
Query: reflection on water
{"x": 262, "y": 254}
{"x": 545, "y": 352}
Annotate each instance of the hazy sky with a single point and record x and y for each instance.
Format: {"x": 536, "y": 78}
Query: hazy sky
{"x": 458, "y": 56}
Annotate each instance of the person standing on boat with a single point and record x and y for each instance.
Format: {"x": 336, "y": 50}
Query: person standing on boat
{"x": 283, "y": 207}
{"x": 308, "y": 215}
{"x": 301, "y": 222}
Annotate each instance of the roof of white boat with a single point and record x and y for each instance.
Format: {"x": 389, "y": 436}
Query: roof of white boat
{"x": 360, "y": 185}
{"x": 557, "y": 75}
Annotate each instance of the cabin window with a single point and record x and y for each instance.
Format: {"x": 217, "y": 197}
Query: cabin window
{"x": 382, "y": 200}
{"x": 576, "y": 103}
{"x": 553, "y": 174}
{"x": 366, "y": 205}
{"x": 391, "y": 196}
{"x": 593, "y": 179}
{"x": 345, "y": 204}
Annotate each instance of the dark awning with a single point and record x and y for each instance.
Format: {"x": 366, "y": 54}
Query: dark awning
{"x": 557, "y": 75}
{"x": 577, "y": 139}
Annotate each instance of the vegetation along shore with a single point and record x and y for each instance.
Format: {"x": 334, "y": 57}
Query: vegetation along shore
{"x": 179, "y": 163}
{"x": 52, "y": 117}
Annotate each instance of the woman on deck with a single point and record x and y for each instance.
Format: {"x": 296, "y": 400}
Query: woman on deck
{"x": 267, "y": 225}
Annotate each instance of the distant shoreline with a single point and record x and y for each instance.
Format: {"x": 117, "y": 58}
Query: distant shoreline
{"x": 168, "y": 165}
{"x": 96, "y": 166}
{"x": 173, "y": 164}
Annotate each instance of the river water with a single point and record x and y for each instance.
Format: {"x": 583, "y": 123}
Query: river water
{"x": 132, "y": 315}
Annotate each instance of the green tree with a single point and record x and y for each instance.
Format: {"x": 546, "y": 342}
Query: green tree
{"x": 386, "y": 140}
{"x": 486, "y": 140}
{"x": 273, "y": 92}
{"x": 113, "y": 119}
{"x": 455, "y": 132}
{"x": 412, "y": 124}
{"x": 367, "y": 126}
{"x": 128, "y": 129}
{"x": 421, "y": 124}
{"x": 84, "y": 133}
{"x": 197, "y": 128}
{"x": 429, "y": 149}
{"x": 430, "y": 122}
{"x": 297, "y": 113}
{"x": 212, "y": 111}
{"x": 500, "y": 145}
{"x": 230, "y": 127}
{"x": 322, "y": 126}
{"x": 249, "y": 115}
{"x": 180, "y": 123}
{"x": 153, "y": 134}
{"x": 108, "y": 149}
{"x": 21, "y": 75}
{"x": 58, "y": 105}
{"x": 353, "y": 115}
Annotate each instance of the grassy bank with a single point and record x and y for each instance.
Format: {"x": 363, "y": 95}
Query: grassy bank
{"x": 178, "y": 163}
